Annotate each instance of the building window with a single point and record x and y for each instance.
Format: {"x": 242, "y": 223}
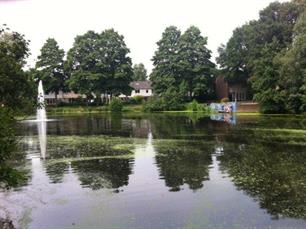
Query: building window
{"x": 137, "y": 91}
{"x": 147, "y": 91}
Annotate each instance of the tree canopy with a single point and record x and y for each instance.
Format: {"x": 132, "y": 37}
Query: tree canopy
{"x": 252, "y": 55}
{"x": 16, "y": 91}
{"x": 99, "y": 63}
{"x": 182, "y": 62}
{"x": 50, "y": 67}
{"x": 139, "y": 72}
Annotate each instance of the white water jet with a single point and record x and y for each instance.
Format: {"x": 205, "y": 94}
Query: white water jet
{"x": 41, "y": 120}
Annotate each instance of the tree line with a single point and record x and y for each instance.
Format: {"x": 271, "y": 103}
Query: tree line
{"x": 268, "y": 55}
{"x": 99, "y": 63}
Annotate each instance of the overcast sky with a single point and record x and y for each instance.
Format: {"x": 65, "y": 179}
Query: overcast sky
{"x": 140, "y": 21}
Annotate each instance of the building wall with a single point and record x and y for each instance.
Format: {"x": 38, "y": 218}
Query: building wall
{"x": 237, "y": 92}
{"x": 142, "y": 92}
{"x": 221, "y": 88}
{"x": 62, "y": 97}
{"x": 232, "y": 91}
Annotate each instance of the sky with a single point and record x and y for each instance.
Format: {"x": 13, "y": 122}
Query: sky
{"x": 141, "y": 22}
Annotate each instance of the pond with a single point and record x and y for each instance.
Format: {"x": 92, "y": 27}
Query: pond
{"x": 160, "y": 171}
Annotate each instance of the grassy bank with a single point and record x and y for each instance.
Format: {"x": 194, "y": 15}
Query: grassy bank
{"x": 90, "y": 109}
{"x": 126, "y": 108}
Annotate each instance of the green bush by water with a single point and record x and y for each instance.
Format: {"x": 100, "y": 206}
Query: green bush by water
{"x": 116, "y": 105}
{"x": 194, "y": 106}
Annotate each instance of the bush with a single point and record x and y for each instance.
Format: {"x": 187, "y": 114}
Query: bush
{"x": 194, "y": 106}
{"x": 154, "y": 104}
{"x": 225, "y": 100}
{"x": 116, "y": 105}
{"x": 137, "y": 99}
{"x": 171, "y": 100}
{"x": 7, "y": 134}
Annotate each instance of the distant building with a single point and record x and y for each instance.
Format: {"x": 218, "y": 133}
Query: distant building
{"x": 65, "y": 97}
{"x": 233, "y": 91}
{"x": 141, "y": 88}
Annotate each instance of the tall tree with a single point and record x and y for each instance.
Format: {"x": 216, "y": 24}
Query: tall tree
{"x": 251, "y": 53}
{"x": 82, "y": 64}
{"x": 292, "y": 69}
{"x": 99, "y": 63}
{"x": 165, "y": 63}
{"x": 193, "y": 59}
{"x": 116, "y": 65}
{"x": 139, "y": 72}
{"x": 50, "y": 67}
{"x": 15, "y": 85}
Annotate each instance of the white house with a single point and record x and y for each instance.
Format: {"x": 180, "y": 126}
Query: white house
{"x": 141, "y": 88}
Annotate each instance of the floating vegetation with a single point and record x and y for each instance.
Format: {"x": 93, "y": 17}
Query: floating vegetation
{"x": 184, "y": 162}
{"x": 277, "y": 137}
{"x": 275, "y": 178}
{"x": 87, "y": 146}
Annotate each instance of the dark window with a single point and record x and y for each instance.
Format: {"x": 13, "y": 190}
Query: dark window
{"x": 147, "y": 91}
{"x": 137, "y": 91}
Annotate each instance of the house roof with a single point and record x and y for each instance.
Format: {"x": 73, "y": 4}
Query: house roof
{"x": 137, "y": 85}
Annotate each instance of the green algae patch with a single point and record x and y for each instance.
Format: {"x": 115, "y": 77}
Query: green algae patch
{"x": 285, "y": 131}
{"x": 61, "y": 147}
{"x": 70, "y": 160}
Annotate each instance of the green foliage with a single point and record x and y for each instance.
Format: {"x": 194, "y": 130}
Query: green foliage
{"x": 195, "y": 67}
{"x": 138, "y": 99}
{"x": 116, "y": 105}
{"x": 261, "y": 54}
{"x": 194, "y": 106}
{"x": 7, "y": 134}
{"x": 16, "y": 86}
{"x": 182, "y": 60}
{"x": 154, "y": 104}
{"x": 165, "y": 61}
{"x": 50, "y": 67}
{"x": 139, "y": 72}
{"x": 292, "y": 69}
{"x": 171, "y": 100}
{"x": 99, "y": 63}
{"x": 8, "y": 176}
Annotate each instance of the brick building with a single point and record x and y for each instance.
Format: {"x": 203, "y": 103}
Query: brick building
{"x": 233, "y": 91}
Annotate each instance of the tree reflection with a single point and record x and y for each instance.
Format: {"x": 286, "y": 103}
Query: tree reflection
{"x": 56, "y": 172}
{"x": 9, "y": 177}
{"x": 109, "y": 173}
{"x": 183, "y": 162}
{"x": 274, "y": 176}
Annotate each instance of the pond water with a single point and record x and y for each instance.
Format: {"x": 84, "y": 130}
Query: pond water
{"x": 161, "y": 171}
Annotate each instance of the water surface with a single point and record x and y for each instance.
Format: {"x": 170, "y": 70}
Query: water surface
{"x": 161, "y": 171}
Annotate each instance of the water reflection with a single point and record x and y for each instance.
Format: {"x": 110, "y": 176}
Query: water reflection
{"x": 224, "y": 117}
{"x": 166, "y": 171}
{"x": 183, "y": 162}
{"x": 42, "y": 135}
{"x": 108, "y": 173}
{"x": 276, "y": 178}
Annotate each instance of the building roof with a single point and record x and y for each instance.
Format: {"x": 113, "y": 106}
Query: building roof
{"x": 137, "y": 85}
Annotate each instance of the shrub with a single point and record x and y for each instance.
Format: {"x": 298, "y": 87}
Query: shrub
{"x": 137, "y": 99}
{"x": 154, "y": 104}
{"x": 116, "y": 105}
{"x": 225, "y": 100}
{"x": 171, "y": 100}
{"x": 197, "y": 107}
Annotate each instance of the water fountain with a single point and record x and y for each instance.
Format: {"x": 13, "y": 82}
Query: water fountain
{"x": 41, "y": 118}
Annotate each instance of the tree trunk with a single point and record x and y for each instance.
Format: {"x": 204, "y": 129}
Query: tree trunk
{"x": 56, "y": 102}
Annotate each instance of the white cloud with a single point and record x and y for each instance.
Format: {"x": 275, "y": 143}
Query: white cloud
{"x": 140, "y": 21}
